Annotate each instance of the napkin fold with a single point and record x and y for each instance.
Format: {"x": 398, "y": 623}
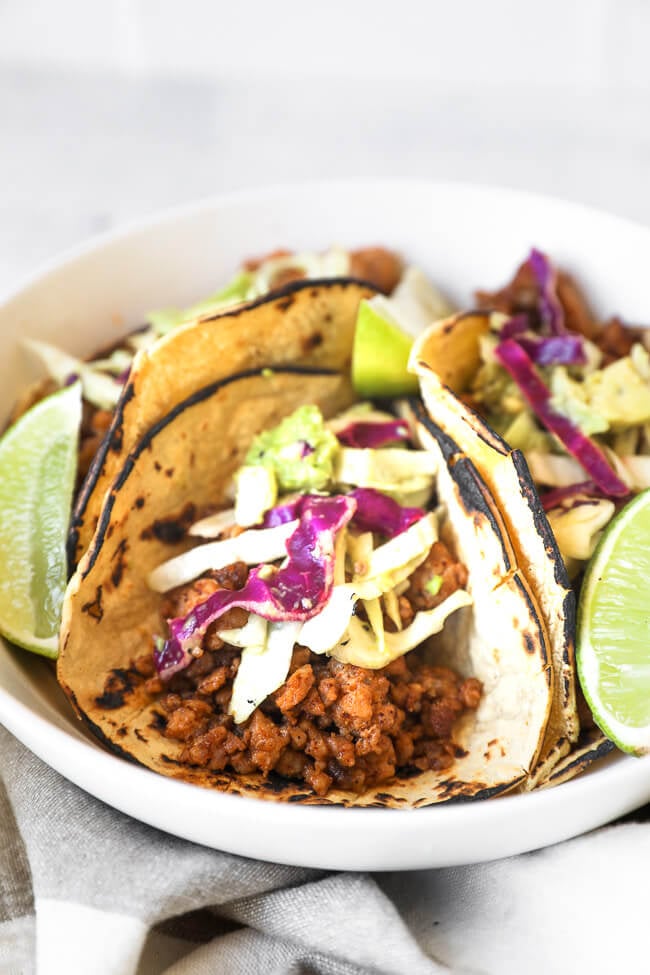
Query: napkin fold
{"x": 84, "y": 888}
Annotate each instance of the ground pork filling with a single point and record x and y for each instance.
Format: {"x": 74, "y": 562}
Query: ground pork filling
{"x": 330, "y": 724}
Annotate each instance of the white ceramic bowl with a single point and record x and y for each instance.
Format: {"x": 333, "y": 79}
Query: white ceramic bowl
{"x": 464, "y": 237}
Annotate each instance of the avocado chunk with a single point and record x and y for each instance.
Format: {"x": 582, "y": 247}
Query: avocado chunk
{"x": 300, "y": 451}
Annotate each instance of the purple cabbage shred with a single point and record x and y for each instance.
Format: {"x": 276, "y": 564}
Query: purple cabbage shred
{"x": 514, "y": 326}
{"x": 518, "y": 363}
{"x": 305, "y": 449}
{"x": 553, "y": 350}
{"x": 284, "y": 513}
{"x": 584, "y": 492}
{"x": 297, "y": 591}
{"x": 375, "y": 512}
{"x": 550, "y": 310}
{"x": 555, "y": 346}
{"x": 369, "y": 433}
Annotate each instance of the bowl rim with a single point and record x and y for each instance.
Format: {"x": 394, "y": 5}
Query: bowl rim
{"x": 621, "y": 772}
{"x": 265, "y": 192}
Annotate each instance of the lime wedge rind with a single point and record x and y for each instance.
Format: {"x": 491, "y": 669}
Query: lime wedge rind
{"x": 45, "y": 647}
{"x": 613, "y": 631}
{"x": 38, "y": 462}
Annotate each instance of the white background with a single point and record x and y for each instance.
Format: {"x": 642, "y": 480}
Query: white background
{"x": 111, "y": 110}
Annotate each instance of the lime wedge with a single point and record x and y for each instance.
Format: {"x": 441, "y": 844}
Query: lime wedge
{"x": 381, "y": 353}
{"x": 38, "y": 464}
{"x": 613, "y": 637}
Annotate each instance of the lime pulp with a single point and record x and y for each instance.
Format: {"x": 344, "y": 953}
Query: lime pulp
{"x": 613, "y": 635}
{"x": 38, "y": 464}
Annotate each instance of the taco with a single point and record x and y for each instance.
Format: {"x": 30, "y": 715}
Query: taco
{"x": 360, "y": 631}
{"x": 552, "y": 406}
{"x": 536, "y": 551}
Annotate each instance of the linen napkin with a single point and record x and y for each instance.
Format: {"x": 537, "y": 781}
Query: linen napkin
{"x": 85, "y": 890}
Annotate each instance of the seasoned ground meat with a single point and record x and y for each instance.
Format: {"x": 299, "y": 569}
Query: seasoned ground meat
{"x": 433, "y": 581}
{"x": 181, "y": 601}
{"x": 295, "y": 689}
{"x": 376, "y": 265}
{"x": 519, "y": 295}
{"x": 330, "y": 724}
{"x": 285, "y": 276}
{"x": 232, "y": 576}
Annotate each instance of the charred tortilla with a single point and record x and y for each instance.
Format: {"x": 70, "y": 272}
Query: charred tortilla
{"x": 307, "y": 322}
{"x": 453, "y": 343}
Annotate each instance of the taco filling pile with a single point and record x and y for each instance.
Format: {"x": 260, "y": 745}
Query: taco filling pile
{"x": 569, "y": 390}
{"x": 291, "y": 649}
{"x": 308, "y": 560}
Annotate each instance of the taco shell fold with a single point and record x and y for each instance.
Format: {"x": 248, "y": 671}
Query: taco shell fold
{"x": 507, "y": 476}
